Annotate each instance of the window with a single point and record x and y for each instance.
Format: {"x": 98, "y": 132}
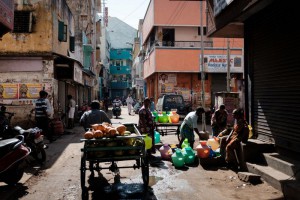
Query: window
{"x": 22, "y": 22}
{"x": 118, "y": 62}
{"x": 204, "y": 30}
{"x": 62, "y": 31}
{"x": 65, "y": 33}
{"x": 72, "y": 43}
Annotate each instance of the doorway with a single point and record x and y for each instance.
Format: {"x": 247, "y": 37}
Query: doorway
{"x": 168, "y": 37}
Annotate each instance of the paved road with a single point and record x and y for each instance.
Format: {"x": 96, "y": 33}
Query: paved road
{"x": 60, "y": 178}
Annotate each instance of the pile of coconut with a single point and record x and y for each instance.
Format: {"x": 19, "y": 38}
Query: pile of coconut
{"x": 105, "y": 130}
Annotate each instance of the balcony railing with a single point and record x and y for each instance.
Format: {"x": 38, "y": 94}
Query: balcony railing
{"x": 184, "y": 44}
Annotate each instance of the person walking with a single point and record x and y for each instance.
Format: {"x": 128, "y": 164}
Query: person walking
{"x": 219, "y": 120}
{"x": 189, "y": 125}
{"x": 146, "y": 123}
{"x": 41, "y": 115}
{"x": 129, "y": 102}
{"x": 94, "y": 116}
{"x": 71, "y": 111}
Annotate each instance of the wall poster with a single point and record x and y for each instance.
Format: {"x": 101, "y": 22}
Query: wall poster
{"x": 8, "y": 90}
{"x": 166, "y": 82}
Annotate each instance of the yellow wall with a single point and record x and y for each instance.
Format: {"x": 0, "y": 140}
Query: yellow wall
{"x": 40, "y": 40}
{"x": 44, "y": 35}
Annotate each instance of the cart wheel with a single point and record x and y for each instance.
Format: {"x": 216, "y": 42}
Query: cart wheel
{"x": 82, "y": 172}
{"x": 145, "y": 171}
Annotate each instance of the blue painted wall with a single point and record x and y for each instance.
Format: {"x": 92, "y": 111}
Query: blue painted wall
{"x": 120, "y": 54}
{"x": 120, "y": 69}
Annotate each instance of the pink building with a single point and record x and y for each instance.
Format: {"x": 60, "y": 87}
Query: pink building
{"x": 171, "y": 37}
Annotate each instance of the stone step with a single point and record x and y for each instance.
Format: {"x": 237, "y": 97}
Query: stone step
{"x": 254, "y": 148}
{"x": 282, "y": 182}
{"x": 283, "y": 164}
{"x": 269, "y": 174}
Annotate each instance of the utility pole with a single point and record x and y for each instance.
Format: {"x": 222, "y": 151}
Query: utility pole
{"x": 202, "y": 68}
{"x": 228, "y": 65}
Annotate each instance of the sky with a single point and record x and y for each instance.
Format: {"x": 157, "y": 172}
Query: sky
{"x": 129, "y": 11}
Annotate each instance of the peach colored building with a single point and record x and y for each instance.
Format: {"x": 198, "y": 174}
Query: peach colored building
{"x": 171, "y": 38}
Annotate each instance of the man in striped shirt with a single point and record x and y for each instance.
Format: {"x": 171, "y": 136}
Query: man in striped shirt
{"x": 41, "y": 115}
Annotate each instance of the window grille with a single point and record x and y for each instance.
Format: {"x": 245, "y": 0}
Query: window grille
{"x": 22, "y": 22}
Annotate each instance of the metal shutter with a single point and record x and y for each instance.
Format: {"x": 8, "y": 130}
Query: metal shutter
{"x": 274, "y": 61}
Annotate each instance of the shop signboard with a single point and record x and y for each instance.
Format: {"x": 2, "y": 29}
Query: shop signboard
{"x": 218, "y": 63}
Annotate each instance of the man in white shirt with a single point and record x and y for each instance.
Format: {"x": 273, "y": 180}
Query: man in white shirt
{"x": 189, "y": 125}
{"x": 49, "y": 109}
{"x": 129, "y": 102}
{"x": 71, "y": 111}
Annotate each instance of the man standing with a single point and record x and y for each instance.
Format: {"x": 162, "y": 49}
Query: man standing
{"x": 71, "y": 111}
{"x": 41, "y": 115}
{"x": 129, "y": 102}
{"x": 146, "y": 123}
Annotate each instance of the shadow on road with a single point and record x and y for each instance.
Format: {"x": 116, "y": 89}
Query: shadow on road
{"x": 102, "y": 189}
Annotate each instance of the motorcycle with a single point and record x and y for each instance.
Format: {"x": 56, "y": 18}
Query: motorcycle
{"x": 12, "y": 156}
{"x": 116, "y": 109}
{"x": 35, "y": 141}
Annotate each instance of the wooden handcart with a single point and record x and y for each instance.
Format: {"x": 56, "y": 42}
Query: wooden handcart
{"x": 119, "y": 148}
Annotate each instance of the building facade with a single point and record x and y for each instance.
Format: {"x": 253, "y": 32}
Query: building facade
{"x": 121, "y": 39}
{"x": 40, "y": 54}
{"x": 271, "y": 65}
{"x": 138, "y": 83}
{"x": 171, "y": 38}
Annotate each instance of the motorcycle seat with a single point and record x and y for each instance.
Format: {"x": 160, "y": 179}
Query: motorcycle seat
{"x": 8, "y": 144}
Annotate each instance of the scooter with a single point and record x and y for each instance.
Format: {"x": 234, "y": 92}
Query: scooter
{"x": 12, "y": 156}
{"x": 116, "y": 109}
{"x": 35, "y": 141}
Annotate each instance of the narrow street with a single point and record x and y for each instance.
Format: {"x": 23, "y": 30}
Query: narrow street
{"x": 59, "y": 178}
